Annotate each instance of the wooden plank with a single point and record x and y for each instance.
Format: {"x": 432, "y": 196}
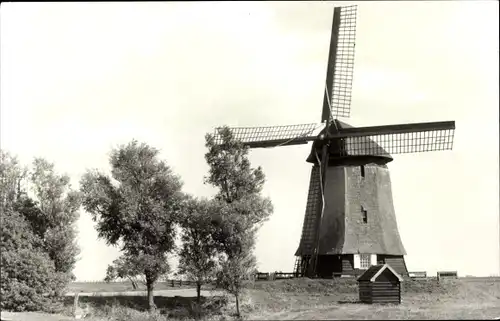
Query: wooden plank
{"x": 280, "y": 142}
{"x": 385, "y": 294}
{"x": 391, "y": 289}
{"x": 395, "y": 129}
{"x": 385, "y": 298}
{"x": 385, "y": 287}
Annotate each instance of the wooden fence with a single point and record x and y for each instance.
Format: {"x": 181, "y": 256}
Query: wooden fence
{"x": 170, "y": 282}
{"x": 261, "y": 276}
{"x": 179, "y": 283}
{"x": 270, "y": 276}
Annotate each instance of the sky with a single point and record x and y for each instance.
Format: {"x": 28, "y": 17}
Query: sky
{"x": 78, "y": 79}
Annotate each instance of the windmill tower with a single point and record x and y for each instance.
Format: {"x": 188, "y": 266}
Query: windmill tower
{"x": 349, "y": 222}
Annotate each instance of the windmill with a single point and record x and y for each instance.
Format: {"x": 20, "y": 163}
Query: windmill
{"x": 349, "y": 222}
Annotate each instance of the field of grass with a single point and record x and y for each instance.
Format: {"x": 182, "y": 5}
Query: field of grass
{"x": 337, "y": 299}
{"x": 126, "y": 286}
{"x": 297, "y": 299}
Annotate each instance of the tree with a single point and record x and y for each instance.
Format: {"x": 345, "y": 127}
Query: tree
{"x": 137, "y": 206}
{"x": 53, "y": 214}
{"x": 124, "y": 267}
{"x": 127, "y": 267}
{"x": 229, "y": 168}
{"x": 197, "y": 257}
{"x": 242, "y": 209}
{"x": 11, "y": 175}
{"x": 235, "y": 272}
{"x": 29, "y": 280}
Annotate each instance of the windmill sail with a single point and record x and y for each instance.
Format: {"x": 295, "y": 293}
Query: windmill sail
{"x": 337, "y": 102}
{"x": 272, "y": 136}
{"x": 396, "y": 139}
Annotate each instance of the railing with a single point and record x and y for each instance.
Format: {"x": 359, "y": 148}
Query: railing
{"x": 179, "y": 283}
{"x": 269, "y": 276}
{"x": 261, "y": 276}
{"x": 281, "y": 275}
{"x": 169, "y": 282}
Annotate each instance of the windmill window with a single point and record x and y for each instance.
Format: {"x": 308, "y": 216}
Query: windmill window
{"x": 365, "y": 215}
{"x": 362, "y": 167}
{"x": 364, "y": 261}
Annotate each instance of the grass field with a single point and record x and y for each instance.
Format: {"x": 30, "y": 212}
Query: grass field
{"x": 292, "y": 299}
{"x": 126, "y": 286}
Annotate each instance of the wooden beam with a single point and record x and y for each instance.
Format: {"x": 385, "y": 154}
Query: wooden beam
{"x": 279, "y": 142}
{"x": 330, "y": 68}
{"x": 393, "y": 129}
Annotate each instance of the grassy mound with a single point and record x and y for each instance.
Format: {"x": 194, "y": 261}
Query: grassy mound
{"x": 306, "y": 285}
{"x": 349, "y": 285}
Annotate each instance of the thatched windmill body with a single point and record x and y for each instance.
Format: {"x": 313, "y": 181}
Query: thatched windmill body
{"x": 349, "y": 222}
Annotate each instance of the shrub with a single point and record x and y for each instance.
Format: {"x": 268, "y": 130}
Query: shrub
{"x": 28, "y": 278}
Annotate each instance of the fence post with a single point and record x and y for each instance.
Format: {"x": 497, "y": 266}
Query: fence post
{"x": 75, "y": 304}
{"x": 172, "y": 283}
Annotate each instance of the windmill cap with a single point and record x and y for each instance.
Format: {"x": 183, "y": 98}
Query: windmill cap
{"x": 362, "y": 149}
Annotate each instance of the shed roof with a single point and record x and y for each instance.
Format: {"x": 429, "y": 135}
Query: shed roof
{"x": 375, "y": 271}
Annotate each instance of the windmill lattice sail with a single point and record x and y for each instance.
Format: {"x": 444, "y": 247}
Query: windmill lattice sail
{"x": 415, "y": 142}
{"x": 271, "y": 136}
{"x": 395, "y": 139}
{"x": 341, "y": 90}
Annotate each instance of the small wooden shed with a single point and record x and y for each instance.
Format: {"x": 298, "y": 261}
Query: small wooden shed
{"x": 380, "y": 284}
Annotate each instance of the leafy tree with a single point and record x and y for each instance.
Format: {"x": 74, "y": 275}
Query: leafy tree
{"x": 30, "y": 280}
{"x": 11, "y": 175}
{"x": 197, "y": 257}
{"x": 230, "y": 169}
{"x": 242, "y": 209}
{"x": 235, "y": 272}
{"x": 54, "y": 214}
{"x": 137, "y": 206}
{"x": 124, "y": 267}
{"x": 28, "y": 277}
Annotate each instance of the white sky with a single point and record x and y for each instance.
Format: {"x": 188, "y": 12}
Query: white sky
{"x": 79, "y": 78}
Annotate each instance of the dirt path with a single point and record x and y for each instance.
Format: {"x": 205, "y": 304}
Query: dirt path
{"x": 33, "y": 316}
